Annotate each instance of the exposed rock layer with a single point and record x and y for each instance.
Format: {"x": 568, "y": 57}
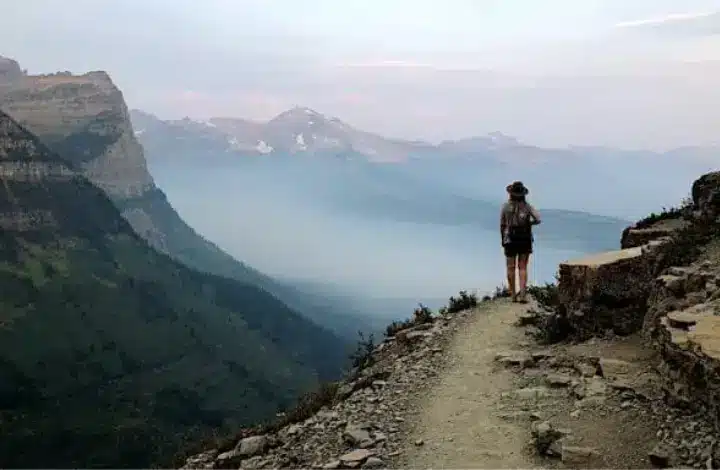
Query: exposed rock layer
{"x": 68, "y": 112}
{"x": 668, "y": 285}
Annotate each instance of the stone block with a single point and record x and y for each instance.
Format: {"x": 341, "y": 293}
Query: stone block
{"x": 606, "y": 291}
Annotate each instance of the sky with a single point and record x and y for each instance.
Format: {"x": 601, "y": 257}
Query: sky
{"x": 632, "y": 74}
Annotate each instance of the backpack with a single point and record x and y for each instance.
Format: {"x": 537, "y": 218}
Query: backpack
{"x": 519, "y": 223}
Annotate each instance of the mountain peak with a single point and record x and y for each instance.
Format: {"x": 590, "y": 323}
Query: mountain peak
{"x": 304, "y": 110}
{"x": 498, "y": 138}
{"x": 299, "y": 114}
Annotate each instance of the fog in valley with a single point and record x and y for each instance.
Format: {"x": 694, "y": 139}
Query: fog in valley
{"x": 364, "y": 230}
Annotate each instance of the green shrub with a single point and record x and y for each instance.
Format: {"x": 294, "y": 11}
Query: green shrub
{"x": 501, "y": 292}
{"x": 464, "y": 301}
{"x": 422, "y": 314}
{"x": 666, "y": 214}
{"x": 547, "y": 295}
{"x": 362, "y": 357}
{"x": 553, "y": 328}
{"x": 392, "y": 329}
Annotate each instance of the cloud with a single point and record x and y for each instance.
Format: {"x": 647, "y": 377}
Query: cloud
{"x": 177, "y": 103}
{"x": 673, "y": 17}
{"x": 686, "y": 24}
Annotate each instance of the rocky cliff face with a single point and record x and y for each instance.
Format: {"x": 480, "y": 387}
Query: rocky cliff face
{"x": 625, "y": 291}
{"x": 85, "y": 120}
{"x": 68, "y": 111}
{"x": 664, "y": 284}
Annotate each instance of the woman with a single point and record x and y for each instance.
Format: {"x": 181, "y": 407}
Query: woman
{"x": 516, "y": 220}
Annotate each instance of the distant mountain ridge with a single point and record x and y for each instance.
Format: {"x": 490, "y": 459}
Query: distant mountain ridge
{"x": 600, "y": 180}
{"x": 302, "y": 130}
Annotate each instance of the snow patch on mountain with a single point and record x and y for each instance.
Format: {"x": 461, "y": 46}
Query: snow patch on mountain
{"x": 300, "y": 141}
{"x": 263, "y": 147}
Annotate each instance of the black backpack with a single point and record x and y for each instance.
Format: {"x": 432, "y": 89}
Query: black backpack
{"x": 520, "y": 224}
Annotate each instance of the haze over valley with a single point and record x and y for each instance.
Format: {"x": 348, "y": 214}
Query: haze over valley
{"x": 309, "y": 198}
{"x": 203, "y": 204}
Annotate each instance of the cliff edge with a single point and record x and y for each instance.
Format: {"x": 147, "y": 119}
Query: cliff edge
{"x": 66, "y": 111}
{"x": 616, "y": 366}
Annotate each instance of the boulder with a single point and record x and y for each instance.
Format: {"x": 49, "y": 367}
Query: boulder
{"x": 202, "y": 460}
{"x": 659, "y": 456}
{"x": 558, "y": 380}
{"x": 545, "y": 435}
{"x": 576, "y": 455}
{"x": 355, "y": 458}
{"x": 706, "y": 196}
{"x": 515, "y": 358}
{"x": 357, "y": 435}
{"x": 373, "y": 462}
{"x": 607, "y": 291}
{"x": 253, "y": 445}
{"x": 614, "y": 368}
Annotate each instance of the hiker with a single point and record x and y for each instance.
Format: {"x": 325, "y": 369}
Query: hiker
{"x": 516, "y": 220}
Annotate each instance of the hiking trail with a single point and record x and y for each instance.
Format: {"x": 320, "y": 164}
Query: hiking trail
{"x": 460, "y": 424}
{"x": 496, "y": 382}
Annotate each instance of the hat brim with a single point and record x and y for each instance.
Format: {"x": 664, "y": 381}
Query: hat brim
{"x": 521, "y": 192}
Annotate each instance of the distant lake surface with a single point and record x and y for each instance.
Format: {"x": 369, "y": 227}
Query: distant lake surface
{"x": 353, "y": 228}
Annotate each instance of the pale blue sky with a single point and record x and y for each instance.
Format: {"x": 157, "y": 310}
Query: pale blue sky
{"x": 552, "y": 72}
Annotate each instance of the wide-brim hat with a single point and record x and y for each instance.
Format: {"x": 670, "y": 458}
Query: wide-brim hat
{"x": 517, "y": 188}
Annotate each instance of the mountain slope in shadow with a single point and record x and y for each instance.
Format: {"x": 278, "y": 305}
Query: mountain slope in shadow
{"x": 112, "y": 354}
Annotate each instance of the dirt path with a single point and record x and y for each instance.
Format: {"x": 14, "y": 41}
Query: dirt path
{"x": 480, "y": 413}
{"x": 461, "y": 425}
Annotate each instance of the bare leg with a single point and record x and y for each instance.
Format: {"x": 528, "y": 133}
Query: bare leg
{"x": 523, "y": 261}
{"x": 510, "y": 262}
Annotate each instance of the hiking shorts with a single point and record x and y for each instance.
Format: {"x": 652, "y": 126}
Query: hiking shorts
{"x": 518, "y": 247}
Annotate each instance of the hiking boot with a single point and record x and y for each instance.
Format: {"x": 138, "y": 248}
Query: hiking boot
{"x": 522, "y": 297}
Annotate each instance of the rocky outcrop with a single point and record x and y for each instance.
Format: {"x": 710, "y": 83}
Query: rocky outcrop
{"x": 607, "y": 292}
{"x": 17, "y": 167}
{"x": 611, "y": 291}
{"x": 84, "y": 118}
{"x": 706, "y": 197}
{"x": 688, "y": 339}
{"x": 637, "y": 236}
{"x": 666, "y": 282}
{"x": 9, "y": 71}
{"x": 685, "y": 326}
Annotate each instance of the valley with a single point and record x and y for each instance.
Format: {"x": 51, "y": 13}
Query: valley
{"x": 166, "y": 283}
